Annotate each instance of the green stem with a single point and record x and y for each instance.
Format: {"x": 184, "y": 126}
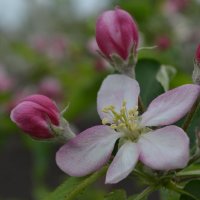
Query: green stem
{"x": 88, "y": 181}
{"x": 190, "y": 115}
{"x": 145, "y": 193}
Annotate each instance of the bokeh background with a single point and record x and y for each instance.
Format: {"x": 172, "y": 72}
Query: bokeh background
{"x": 48, "y": 47}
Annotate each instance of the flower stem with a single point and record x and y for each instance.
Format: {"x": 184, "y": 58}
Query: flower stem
{"x": 190, "y": 115}
{"x": 145, "y": 193}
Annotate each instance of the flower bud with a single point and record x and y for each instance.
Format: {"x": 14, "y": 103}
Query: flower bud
{"x": 117, "y": 34}
{"x": 35, "y": 114}
{"x": 163, "y": 42}
{"x": 197, "y": 55}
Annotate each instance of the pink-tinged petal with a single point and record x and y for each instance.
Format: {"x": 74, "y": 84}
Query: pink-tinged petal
{"x": 114, "y": 90}
{"x": 32, "y": 119}
{"x": 123, "y": 163}
{"x": 116, "y": 33}
{"x": 88, "y": 151}
{"x": 171, "y": 106}
{"x": 165, "y": 149}
{"x": 34, "y": 114}
{"x": 45, "y": 102}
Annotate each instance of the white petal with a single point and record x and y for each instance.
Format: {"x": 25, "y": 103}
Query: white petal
{"x": 171, "y": 106}
{"x": 123, "y": 163}
{"x": 114, "y": 90}
{"x": 88, "y": 151}
{"x": 164, "y": 149}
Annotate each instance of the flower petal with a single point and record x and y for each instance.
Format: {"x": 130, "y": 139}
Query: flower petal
{"x": 123, "y": 163}
{"x": 164, "y": 149}
{"x": 114, "y": 90}
{"x": 88, "y": 151}
{"x": 170, "y": 106}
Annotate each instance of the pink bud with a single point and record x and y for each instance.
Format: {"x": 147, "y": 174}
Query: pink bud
{"x": 116, "y": 33}
{"x": 197, "y": 55}
{"x": 163, "y": 42}
{"x": 34, "y": 114}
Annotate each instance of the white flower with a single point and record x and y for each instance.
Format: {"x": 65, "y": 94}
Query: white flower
{"x": 165, "y": 148}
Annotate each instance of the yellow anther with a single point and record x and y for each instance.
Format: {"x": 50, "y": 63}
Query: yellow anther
{"x": 114, "y": 126}
{"x": 105, "y": 121}
{"x": 136, "y": 113}
{"x": 105, "y": 110}
{"x": 123, "y": 120}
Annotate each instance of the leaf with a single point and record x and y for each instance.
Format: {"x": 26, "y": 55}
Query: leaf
{"x": 115, "y": 195}
{"x": 194, "y": 126}
{"x": 168, "y": 194}
{"x": 193, "y": 188}
{"x": 189, "y": 173}
{"x": 74, "y": 186}
{"x": 146, "y": 71}
{"x": 65, "y": 188}
{"x": 165, "y": 75}
{"x": 92, "y": 193}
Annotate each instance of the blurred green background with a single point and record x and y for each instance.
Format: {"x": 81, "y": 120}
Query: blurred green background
{"x": 48, "y": 47}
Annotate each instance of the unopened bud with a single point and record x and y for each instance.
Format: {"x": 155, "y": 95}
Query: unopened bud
{"x": 38, "y": 116}
{"x": 117, "y": 36}
{"x": 197, "y": 55}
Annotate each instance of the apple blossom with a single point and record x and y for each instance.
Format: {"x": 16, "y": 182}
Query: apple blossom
{"x": 116, "y": 33}
{"x": 164, "y": 148}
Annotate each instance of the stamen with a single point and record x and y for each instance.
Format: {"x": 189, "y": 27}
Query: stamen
{"x": 126, "y": 121}
{"x": 105, "y": 121}
{"x": 113, "y": 126}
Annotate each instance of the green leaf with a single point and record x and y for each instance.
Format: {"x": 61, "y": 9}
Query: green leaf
{"x": 189, "y": 173}
{"x": 168, "y": 194}
{"x": 146, "y": 71}
{"x": 193, "y": 127}
{"x": 92, "y": 193}
{"x": 117, "y": 194}
{"x": 165, "y": 75}
{"x": 192, "y": 188}
{"x": 73, "y": 186}
{"x": 68, "y": 186}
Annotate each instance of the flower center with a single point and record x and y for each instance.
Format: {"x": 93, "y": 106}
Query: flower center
{"x": 124, "y": 121}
